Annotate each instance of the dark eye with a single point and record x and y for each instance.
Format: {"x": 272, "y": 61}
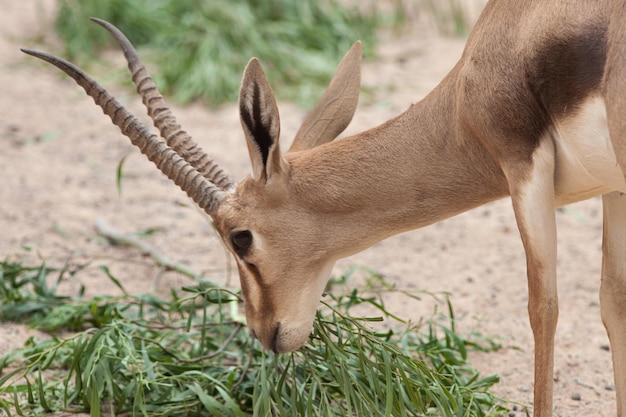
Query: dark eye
{"x": 241, "y": 241}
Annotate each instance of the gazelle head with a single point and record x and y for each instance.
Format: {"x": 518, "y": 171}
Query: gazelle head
{"x": 276, "y": 236}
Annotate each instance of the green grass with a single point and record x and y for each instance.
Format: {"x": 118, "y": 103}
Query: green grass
{"x": 198, "y": 49}
{"x": 189, "y": 354}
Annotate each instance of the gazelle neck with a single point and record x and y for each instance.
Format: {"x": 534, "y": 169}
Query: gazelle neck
{"x": 414, "y": 170}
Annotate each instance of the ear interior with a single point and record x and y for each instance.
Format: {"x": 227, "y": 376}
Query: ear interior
{"x": 260, "y": 121}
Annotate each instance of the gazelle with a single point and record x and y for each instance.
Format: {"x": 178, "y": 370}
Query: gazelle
{"x": 535, "y": 109}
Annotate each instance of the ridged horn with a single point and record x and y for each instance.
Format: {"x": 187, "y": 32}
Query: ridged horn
{"x": 160, "y": 113}
{"x": 203, "y": 192}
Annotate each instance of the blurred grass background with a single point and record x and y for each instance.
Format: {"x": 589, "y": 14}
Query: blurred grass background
{"x": 198, "y": 49}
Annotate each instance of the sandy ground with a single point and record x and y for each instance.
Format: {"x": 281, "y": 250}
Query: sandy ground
{"x": 58, "y": 161}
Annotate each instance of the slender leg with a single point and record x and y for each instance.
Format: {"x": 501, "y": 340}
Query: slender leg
{"x": 613, "y": 288}
{"x": 533, "y": 203}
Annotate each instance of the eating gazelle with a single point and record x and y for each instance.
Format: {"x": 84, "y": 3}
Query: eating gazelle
{"x": 533, "y": 111}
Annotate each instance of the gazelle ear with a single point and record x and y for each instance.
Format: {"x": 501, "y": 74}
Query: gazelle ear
{"x": 261, "y": 122}
{"x": 333, "y": 113}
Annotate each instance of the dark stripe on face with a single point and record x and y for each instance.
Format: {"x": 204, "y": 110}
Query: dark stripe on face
{"x": 256, "y": 274}
{"x": 264, "y": 310}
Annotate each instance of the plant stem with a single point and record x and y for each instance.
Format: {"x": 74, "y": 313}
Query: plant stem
{"x": 119, "y": 238}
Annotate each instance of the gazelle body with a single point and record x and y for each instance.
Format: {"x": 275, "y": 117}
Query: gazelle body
{"x": 535, "y": 110}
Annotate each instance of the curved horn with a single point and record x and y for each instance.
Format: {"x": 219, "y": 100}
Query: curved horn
{"x": 206, "y": 194}
{"x": 158, "y": 110}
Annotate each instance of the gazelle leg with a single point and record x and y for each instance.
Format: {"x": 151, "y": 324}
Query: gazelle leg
{"x": 613, "y": 288}
{"x": 533, "y": 203}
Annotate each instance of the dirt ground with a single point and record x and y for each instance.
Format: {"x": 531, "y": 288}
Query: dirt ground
{"x": 58, "y": 161}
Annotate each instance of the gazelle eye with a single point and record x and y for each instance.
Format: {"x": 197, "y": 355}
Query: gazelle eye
{"x": 241, "y": 241}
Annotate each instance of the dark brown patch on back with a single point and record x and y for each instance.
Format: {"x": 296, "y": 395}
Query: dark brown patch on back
{"x": 513, "y": 88}
{"x": 567, "y": 69}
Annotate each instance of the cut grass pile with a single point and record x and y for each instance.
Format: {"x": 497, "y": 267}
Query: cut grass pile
{"x": 190, "y": 355}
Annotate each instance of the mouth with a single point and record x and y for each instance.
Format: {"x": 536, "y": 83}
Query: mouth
{"x": 274, "y": 339}
{"x": 270, "y": 343}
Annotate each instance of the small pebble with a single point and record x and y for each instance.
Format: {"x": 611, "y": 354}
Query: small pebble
{"x": 576, "y": 396}
{"x": 511, "y": 414}
{"x": 609, "y": 387}
{"x": 605, "y": 347}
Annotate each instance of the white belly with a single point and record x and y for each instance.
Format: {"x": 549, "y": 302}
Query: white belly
{"x": 586, "y": 165}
